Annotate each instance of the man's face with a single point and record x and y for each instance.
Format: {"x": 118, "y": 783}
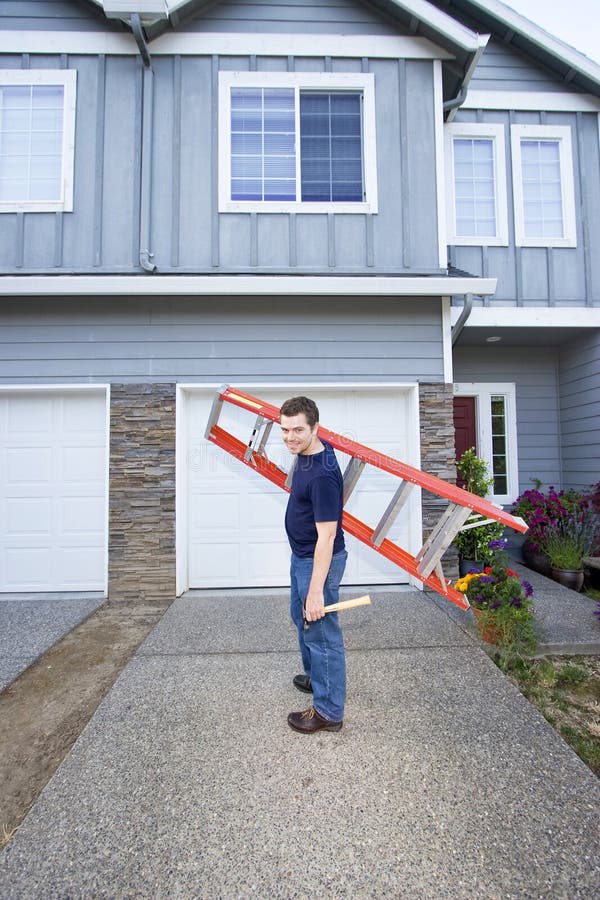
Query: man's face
{"x": 297, "y": 434}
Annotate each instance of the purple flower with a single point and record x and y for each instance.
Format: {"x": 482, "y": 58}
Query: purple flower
{"x": 528, "y": 588}
{"x": 497, "y": 545}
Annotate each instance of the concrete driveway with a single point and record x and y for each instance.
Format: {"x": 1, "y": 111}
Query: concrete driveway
{"x": 443, "y": 782}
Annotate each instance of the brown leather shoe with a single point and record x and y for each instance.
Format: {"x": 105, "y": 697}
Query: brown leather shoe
{"x": 308, "y": 721}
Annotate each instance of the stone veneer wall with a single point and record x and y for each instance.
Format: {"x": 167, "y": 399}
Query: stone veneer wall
{"x": 437, "y": 455}
{"x": 142, "y": 492}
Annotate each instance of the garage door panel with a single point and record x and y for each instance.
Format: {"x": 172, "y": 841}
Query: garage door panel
{"x": 53, "y": 490}
{"x": 81, "y": 464}
{"x": 259, "y": 555}
{"x": 81, "y": 515}
{"x": 217, "y": 564}
{"x": 27, "y": 516}
{"x": 31, "y": 415}
{"x": 29, "y": 465}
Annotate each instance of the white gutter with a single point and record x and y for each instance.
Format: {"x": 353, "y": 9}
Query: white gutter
{"x": 242, "y": 285}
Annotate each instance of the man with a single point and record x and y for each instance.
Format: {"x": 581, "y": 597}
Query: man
{"x": 313, "y": 525}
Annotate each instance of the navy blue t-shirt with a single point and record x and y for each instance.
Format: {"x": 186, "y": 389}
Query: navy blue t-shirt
{"x": 316, "y": 496}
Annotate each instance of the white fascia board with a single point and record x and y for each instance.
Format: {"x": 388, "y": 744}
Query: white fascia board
{"x": 532, "y": 32}
{"x": 563, "y": 101}
{"x": 530, "y": 317}
{"x": 242, "y": 285}
{"x": 440, "y": 21}
{"x": 83, "y": 43}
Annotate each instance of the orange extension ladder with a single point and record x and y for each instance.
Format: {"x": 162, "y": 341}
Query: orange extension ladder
{"x": 426, "y": 566}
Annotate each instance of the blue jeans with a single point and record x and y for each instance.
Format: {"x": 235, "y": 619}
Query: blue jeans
{"x": 322, "y": 643}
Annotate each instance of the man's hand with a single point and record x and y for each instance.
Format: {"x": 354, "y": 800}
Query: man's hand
{"x": 314, "y": 606}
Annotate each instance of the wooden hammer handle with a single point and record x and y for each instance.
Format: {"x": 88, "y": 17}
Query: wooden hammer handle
{"x": 348, "y": 604}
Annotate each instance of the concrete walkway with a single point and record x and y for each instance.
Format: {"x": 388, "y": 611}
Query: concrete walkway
{"x": 188, "y": 783}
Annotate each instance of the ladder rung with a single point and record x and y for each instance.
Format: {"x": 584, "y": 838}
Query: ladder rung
{"x": 351, "y": 476}
{"x": 263, "y": 441}
{"x": 480, "y": 521}
{"x": 391, "y": 514}
{"x": 441, "y": 537}
{"x": 256, "y": 431}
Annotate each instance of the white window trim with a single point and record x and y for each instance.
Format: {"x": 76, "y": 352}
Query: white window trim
{"x": 562, "y": 134}
{"x": 496, "y": 134}
{"x": 483, "y": 393}
{"x": 364, "y": 82}
{"x": 68, "y": 79}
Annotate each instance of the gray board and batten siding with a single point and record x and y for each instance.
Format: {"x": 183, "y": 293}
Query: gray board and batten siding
{"x": 502, "y": 68}
{"x": 210, "y": 339}
{"x": 534, "y": 371}
{"x": 579, "y": 388}
{"x": 545, "y": 276}
{"x": 188, "y": 234}
{"x": 54, "y": 15}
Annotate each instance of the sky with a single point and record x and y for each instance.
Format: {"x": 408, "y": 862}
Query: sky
{"x": 577, "y": 22}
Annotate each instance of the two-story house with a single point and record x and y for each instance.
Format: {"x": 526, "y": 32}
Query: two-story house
{"x": 393, "y": 207}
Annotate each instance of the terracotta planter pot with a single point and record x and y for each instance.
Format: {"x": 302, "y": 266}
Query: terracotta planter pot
{"x": 569, "y": 578}
{"x": 489, "y": 631}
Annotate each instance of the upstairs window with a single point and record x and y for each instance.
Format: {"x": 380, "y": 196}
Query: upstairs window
{"x": 476, "y": 182}
{"x": 294, "y": 141}
{"x": 37, "y": 130}
{"x": 543, "y": 186}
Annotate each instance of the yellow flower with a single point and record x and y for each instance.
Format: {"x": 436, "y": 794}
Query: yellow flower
{"x": 463, "y": 583}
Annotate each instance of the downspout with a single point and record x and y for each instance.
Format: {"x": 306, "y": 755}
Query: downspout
{"x": 462, "y": 319}
{"x": 146, "y": 156}
{"x": 450, "y": 106}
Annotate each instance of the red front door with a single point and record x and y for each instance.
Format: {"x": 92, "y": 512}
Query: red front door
{"x": 465, "y": 432}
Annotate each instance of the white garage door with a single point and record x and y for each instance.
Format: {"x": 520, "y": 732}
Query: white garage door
{"x": 234, "y": 518}
{"x": 53, "y": 490}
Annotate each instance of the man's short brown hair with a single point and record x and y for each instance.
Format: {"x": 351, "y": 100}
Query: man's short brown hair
{"x": 296, "y": 405}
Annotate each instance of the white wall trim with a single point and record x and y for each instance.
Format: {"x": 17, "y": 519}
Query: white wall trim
{"x": 561, "y": 134}
{"x": 530, "y": 317}
{"x": 255, "y": 387}
{"x": 534, "y": 101}
{"x": 224, "y": 44}
{"x": 483, "y": 392}
{"x": 331, "y": 81}
{"x": 242, "y": 285}
{"x": 440, "y": 168}
{"x": 96, "y": 388}
{"x": 496, "y": 134}
{"x": 447, "y": 339}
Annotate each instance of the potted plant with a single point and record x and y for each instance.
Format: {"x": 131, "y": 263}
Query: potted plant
{"x": 541, "y": 511}
{"x": 566, "y": 542}
{"x": 501, "y": 602}
{"x": 473, "y": 544}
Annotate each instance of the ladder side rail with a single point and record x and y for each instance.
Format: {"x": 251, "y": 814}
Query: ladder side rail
{"x": 213, "y": 418}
